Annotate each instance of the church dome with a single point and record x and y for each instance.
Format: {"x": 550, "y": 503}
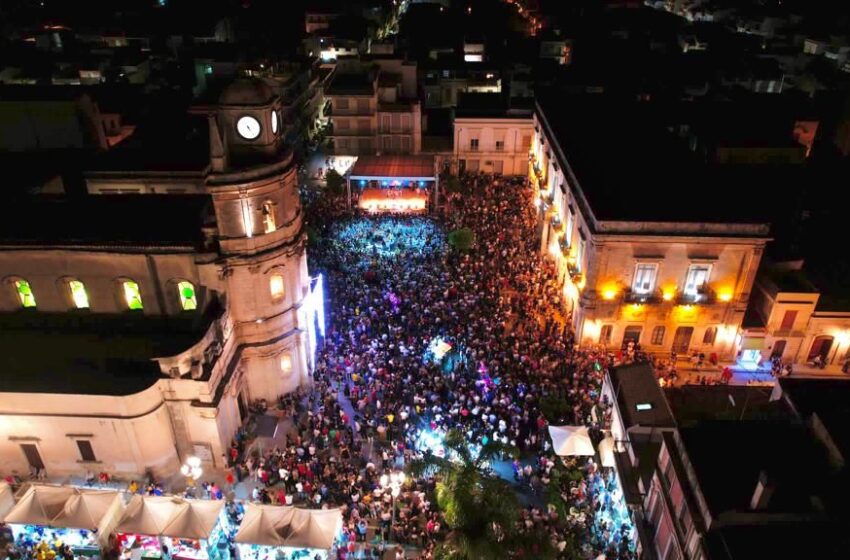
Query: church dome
{"x": 247, "y": 91}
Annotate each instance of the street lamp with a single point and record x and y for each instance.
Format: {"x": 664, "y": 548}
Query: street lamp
{"x": 192, "y": 470}
{"x": 393, "y": 482}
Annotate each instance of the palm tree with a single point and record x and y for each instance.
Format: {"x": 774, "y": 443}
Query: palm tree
{"x": 481, "y": 510}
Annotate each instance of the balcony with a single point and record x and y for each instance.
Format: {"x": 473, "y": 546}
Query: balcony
{"x": 652, "y": 296}
{"x": 704, "y": 295}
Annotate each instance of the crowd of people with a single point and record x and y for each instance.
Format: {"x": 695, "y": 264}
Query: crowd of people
{"x": 423, "y": 339}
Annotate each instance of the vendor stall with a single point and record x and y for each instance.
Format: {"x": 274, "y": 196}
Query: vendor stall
{"x": 186, "y": 529}
{"x": 56, "y": 517}
{"x": 268, "y": 530}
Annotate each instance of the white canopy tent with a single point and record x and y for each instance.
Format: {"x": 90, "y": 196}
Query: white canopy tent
{"x": 170, "y": 517}
{"x": 68, "y": 507}
{"x": 606, "y": 451}
{"x": 7, "y": 499}
{"x": 571, "y": 440}
{"x": 289, "y": 526}
{"x": 146, "y": 515}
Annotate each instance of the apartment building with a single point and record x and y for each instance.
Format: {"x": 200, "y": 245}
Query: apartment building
{"x": 374, "y": 109}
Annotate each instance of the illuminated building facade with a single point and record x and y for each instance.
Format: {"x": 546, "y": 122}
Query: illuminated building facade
{"x": 788, "y": 319}
{"x": 643, "y": 252}
{"x": 143, "y": 318}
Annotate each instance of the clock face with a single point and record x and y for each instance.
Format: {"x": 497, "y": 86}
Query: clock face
{"x": 274, "y": 122}
{"x": 248, "y": 127}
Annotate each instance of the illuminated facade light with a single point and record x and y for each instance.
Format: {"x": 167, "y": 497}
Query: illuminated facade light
{"x": 609, "y": 294}
{"x": 286, "y": 363}
{"x": 276, "y": 286}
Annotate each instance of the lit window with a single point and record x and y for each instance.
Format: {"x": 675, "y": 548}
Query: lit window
{"x": 25, "y": 293}
{"x": 79, "y": 294}
{"x": 644, "y": 280}
{"x": 269, "y": 224}
{"x": 187, "y": 296}
{"x": 276, "y": 286}
{"x": 285, "y": 363}
{"x": 697, "y": 278}
{"x": 132, "y": 295}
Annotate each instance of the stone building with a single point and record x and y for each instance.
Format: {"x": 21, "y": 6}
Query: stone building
{"x": 490, "y": 137}
{"x": 652, "y": 244}
{"x": 142, "y": 319}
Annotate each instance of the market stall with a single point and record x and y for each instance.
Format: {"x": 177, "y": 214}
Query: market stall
{"x": 56, "y": 517}
{"x": 267, "y": 530}
{"x": 186, "y": 529}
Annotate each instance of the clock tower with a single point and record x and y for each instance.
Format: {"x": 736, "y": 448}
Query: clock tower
{"x": 249, "y": 118}
{"x": 263, "y": 262}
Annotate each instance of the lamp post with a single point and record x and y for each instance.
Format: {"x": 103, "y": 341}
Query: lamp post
{"x": 192, "y": 470}
{"x": 393, "y": 482}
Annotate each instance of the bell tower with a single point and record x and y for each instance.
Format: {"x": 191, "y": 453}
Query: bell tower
{"x": 263, "y": 260}
{"x": 249, "y": 117}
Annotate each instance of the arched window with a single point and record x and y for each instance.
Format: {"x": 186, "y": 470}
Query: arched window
{"x": 710, "y": 335}
{"x": 276, "y": 286}
{"x": 188, "y": 300}
{"x": 132, "y": 295}
{"x": 25, "y": 293}
{"x": 78, "y": 294}
{"x": 269, "y": 222}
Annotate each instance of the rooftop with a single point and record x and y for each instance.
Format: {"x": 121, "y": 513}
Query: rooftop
{"x": 106, "y": 220}
{"x": 394, "y": 167}
{"x": 170, "y": 141}
{"x": 91, "y": 354}
{"x": 692, "y": 404}
{"x": 631, "y": 168}
{"x": 351, "y": 83}
{"x": 781, "y": 450}
{"x": 778, "y": 540}
{"x": 639, "y": 398}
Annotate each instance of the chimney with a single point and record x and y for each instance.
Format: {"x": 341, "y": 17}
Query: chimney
{"x": 762, "y": 494}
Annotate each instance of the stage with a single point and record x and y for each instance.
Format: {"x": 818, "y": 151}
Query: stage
{"x": 405, "y": 200}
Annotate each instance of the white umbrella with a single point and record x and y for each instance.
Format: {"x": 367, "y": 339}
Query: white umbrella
{"x": 571, "y": 440}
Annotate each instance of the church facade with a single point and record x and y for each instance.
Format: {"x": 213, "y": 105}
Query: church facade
{"x": 146, "y": 316}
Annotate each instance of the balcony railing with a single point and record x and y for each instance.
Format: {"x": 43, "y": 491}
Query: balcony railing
{"x": 651, "y": 296}
{"x": 702, "y": 295}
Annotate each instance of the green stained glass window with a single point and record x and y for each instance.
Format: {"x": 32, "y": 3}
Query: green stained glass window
{"x": 25, "y": 293}
{"x": 79, "y": 294}
{"x": 132, "y": 295}
{"x": 187, "y": 296}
